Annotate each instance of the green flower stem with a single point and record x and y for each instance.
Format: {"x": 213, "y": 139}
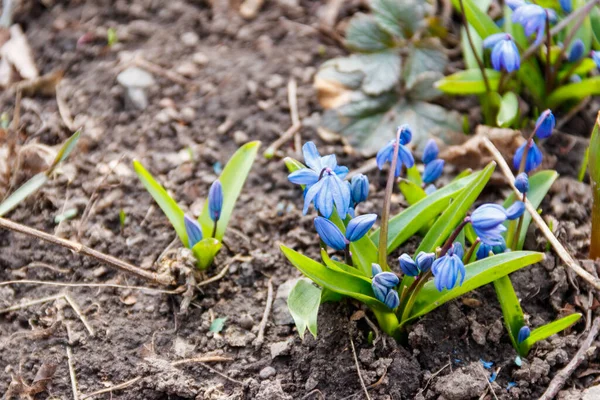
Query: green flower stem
{"x": 388, "y": 322}
{"x": 214, "y": 232}
{"x": 387, "y": 200}
{"x": 517, "y": 234}
{"x": 549, "y": 72}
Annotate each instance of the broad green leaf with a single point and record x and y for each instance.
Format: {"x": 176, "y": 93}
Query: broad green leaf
{"x": 545, "y": 331}
{"x": 398, "y": 18}
{"x": 365, "y": 35}
{"x": 539, "y": 185}
{"x": 217, "y": 325}
{"x": 574, "y": 91}
{"x": 424, "y": 57}
{"x": 585, "y": 66}
{"x": 166, "y": 203}
{"x": 469, "y": 81}
{"x": 404, "y": 225}
{"x": 303, "y": 303}
{"x": 65, "y": 150}
{"x": 337, "y": 281}
{"x": 413, "y": 175}
{"x": 509, "y": 109}
{"x": 205, "y": 252}
{"x": 381, "y": 70}
{"x": 511, "y": 308}
{"x": 27, "y": 189}
{"x": 232, "y": 179}
{"x": 423, "y": 87}
{"x": 456, "y": 212}
{"x": 479, "y": 273}
{"x": 411, "y": 191}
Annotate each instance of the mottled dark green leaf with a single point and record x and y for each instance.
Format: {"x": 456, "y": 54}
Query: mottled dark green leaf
{"x": 365, "y": 35}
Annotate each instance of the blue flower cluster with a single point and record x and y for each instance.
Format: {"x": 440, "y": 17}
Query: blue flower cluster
{"x": 543, "y": 128}
{"x": 433, "y": 165}
{"x": 421, "y": 264}
{"x": 384, "y": 286}
{"x": 532, "y": 17}
{"x": 488, "y": 219}
{"x": 405, "y": 157}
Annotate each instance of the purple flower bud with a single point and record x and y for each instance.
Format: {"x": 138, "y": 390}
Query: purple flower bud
{"x": 545, "y": 124}
{"x": 330, "y": 233}
{"x": 392, "y": 300}
{"x": 215, "y": 200}
{"x": 522, "y": 182}
{"x": 408, "y": 266}
{"x": 193, "y": 231}
{"x": 433, "y": 170}
{"x": 376, "y": 269}
{"x": 534, "y": 157}
{"x": 524, "y": 333}
{"x": 516, "y": 210}
{"x": 430, "y": 152}
{"x": 359, "y": 188}
{"x": 359, "y": 226}
{"x": 577, "y": 50}
{"x": 424, "y": 261}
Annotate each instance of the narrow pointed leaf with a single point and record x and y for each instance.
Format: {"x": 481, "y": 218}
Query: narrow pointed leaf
{"x": 575, "y": 91}
{"x": 303, "y": 302}
{"x": 65, "y": 149}
{"x": 469, "y": 81}
{"x": 545, "y": 331}
{"x": 511, "y": 308}
{"x": 27, "y": 189}
{"x": 205, "y": 252}
{"x": 411, "y": 191}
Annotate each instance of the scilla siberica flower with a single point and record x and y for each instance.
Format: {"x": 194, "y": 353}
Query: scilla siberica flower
{"x": 333, "y": 236}
{"x": 545, "y": 124}
{"x": 533, "y": 19}
{"x": 534, "y": 156}
{"x": 566, "y": 5}
{"x": 505, "y": 55}
{"x": 433, "y": 170}
{"x": 215, "y": 200}
{"x": 323, "y": 181}
{"x": 383, "y": 285}
{"x": 447, "y": 268}
{"x": 524, "y": 333}
{"x": 522, "y": 183}
{"x": 359, "y": 188}
{"x": 422, "y": 263}
{"x": 577, "y": 50}
{"x": 487, "y": 221}
{"x": 430, "y": 152}
{"x": 405, "y": 157}
{"x": 193, "y": 231}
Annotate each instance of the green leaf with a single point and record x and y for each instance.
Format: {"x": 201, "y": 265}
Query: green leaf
{"x": 381, "y": 71}
{"x": 511, "y": 308}
{"x": 205, "y": 252}
{"x": 166, "y": 203}
{"x": 424, "y": 57}
{"x": 340, "y": 266}
{"x": 232, "y": 179}
{"x": 469, "y": 81}
{"x": 217, "y": 325}
{"x": 404, "y": 225}
{"x": 468, "y": 54}
{"x": 479, "y": 273}
{"x": 365, "y": 35}
{"x": 539, "y": 185}
{"x": 456, "y": 212}
{"x": 65, "y": 150}
{"x": 509, "y": 109}
{"x": 575, "y": 91}
{"x": 545, "y": 331}
{"x": 27, "y": 189}
{"x": 585, "y": 66}
{"x": 340, "y": 282}
{"x": 303, "y": 302}
{"x": 584, "y": 165}
{"x": 411, "y": 191}
{"x": 413, "y": 175}
{"x": 594, "y": 170}
{"x": 398, "y": 18}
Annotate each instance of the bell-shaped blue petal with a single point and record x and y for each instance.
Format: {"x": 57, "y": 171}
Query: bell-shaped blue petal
{"x": 514, "y": 4}
{"x": 392, "y": 300}
{"x": 534, "y": 157}
{"x": 193, "y": 231}
{"x": 328, "y": 192}
{"x": 359, "y": 188}
{"x": 457, "y": 249}
{"x": 577, "y": 50}
{"x": 408, "y": 266}
{"x": 215, "y": 200}
{"x": 405, "y": 157}
{"x": 433, "y": 171}
{"x": 524, "y": 333}
{"x": 430, "y": 189}
{"x": 446, "y": 271}
{"x": 505, "y": 55}
{"x": 376, "y": 269}
{"x": 424, "y": 261}
{"x": 330, "y": 233}
{"x": 566, "y": 5}
{"x": 312, "y": 158}
{"x": 359, "y": 226}
{"x": 522, "y": 182}
{"x": 545, "y": 124}
{"x": 304, "y": 176}
{"x": 430, "y": 152}
{"x": 385, "y": 154}
{"x": 483, "y": 251}
{"x": 491, "y": 41}
{"x": 488, "y": 216}
{"x": 380, "y": 291}
{"x": 405, "y": 134}
{"x": 533, "y": 19}
{"x": 386, "y": 279}
{"x": 516, "y": 210}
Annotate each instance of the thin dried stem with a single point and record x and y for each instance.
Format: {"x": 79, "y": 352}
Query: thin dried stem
{"x": 72, "y": 374}
{"x": 98, "y": 285}
{"x": 362, "y": 382}
{"x": 260, "y": 337}
{"x": 31, "y": 303}
{"x": 474, "y": 50}
{"x": 80, "y": 314}
{"x": 112, "y": 388}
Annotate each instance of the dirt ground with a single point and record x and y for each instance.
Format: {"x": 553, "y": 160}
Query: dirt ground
{"x": 238, "y": 72}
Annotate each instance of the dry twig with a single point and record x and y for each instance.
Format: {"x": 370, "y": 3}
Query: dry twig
{"x": 260, "y": 337}
{"x": 294, "y": 130}
{"x": 362, "y": 382}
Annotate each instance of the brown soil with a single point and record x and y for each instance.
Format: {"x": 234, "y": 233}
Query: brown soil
{"x": 240, "y": 70}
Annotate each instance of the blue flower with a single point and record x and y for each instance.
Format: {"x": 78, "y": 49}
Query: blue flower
{"x": 430, "y": 152}
{"x": 359, "y": 226}
{"x": 383, "y": 287}
{"x": 534, "y": 157}
{"x": 524, "y": 333}
{"x": 505, "y": 55}
{"x": 376, "y": 269}
{"x": 516, "y": 210}
{"x": 514, "y": 4}
{"x": 433, "y": 170}
{"x": 596, "y": 57}
{"x": 405, "y": 157}
{"x": 446, "y": 269}
{"x": 533, "y": 19}
{"x": 522, "y": 182}
{"x": 487, "y": 221}
{"x": 424, "y": 261}
{"x": 193, "y": 230}
{"x": 316, "y": 165}
{"x": 577, "y": 50}
{"x": 408, "y": 266}
{"x": 330, "y": 234}
{"x": 215, "y": 200}
{"x": 545, "y": 124}
{"x": 328, "y": 192}
{"x": 566, "y": 5}
{"x": 359, "y": 188}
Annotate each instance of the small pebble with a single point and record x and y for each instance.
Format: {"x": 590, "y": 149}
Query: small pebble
{"x": 267, "y": 372}
{"x": 200, "y": 58}
{"x": 240, "y": 137}
{"x": 190, "y": 39}
{"x": 246, "y": 322}
{"x": 187, "y": 114}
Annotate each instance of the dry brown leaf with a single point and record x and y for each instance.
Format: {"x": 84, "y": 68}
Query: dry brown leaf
{"x": 16, "y": 54}
{"x": 332, "y": 94}
{"x": 44, "y": 85}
